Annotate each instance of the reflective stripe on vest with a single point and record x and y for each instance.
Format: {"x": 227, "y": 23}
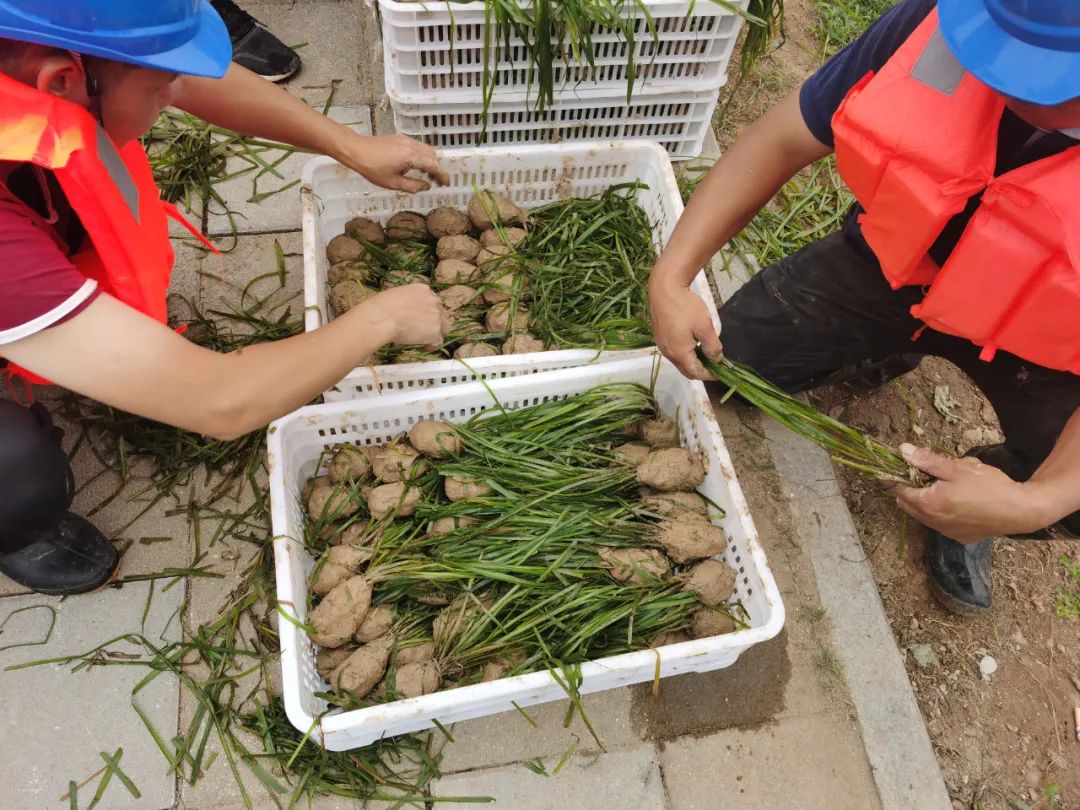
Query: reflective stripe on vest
{"x": 937, "y": 67}
{"x": 118, "y": 172}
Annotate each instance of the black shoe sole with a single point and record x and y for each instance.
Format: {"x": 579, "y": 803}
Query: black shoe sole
{"x": 66, "y": 592}
{"x": 280, "y": 78}
{"x": 954, "y": 605}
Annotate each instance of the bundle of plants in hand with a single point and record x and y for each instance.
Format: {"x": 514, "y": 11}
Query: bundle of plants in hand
{"x": 569, "y": 274}
{"x": 521, "y": 540}
{"x": 845, "y": 444}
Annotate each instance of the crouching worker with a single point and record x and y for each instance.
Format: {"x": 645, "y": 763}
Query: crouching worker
{"x": 956, "y": 125}
{"x": 85, "y": 256}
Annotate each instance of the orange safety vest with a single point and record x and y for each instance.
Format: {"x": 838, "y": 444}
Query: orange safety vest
{"x": 111, "y": 190}
{"x": 914, "y": 143}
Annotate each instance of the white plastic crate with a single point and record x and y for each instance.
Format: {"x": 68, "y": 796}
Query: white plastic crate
{"x": 433, "y": 52}
{"x": 530, "y": 175}
{"x": 295, "y": 444}
{"x": 677, "y": 121}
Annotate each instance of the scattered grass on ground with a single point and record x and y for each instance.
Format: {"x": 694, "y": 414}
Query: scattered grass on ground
{"x": 841, "y": 21}
{"x": 826, "y": 663}
{"x": 814, "y": 203}
{"x": 810, "y": 206}
{"x": 1067, "y": 599}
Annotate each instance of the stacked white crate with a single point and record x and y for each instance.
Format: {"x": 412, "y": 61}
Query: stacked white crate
{"x": 433, "y": 52}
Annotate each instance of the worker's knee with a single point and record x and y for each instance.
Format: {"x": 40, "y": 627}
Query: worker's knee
{"x": 36, "y": 486}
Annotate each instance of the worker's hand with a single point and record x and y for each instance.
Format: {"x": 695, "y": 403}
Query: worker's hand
{"x": 385, "y": 159}
{"x": 970, "y": 501}
{"x": 413, "y": 313}
{"x": 681, "y": 321}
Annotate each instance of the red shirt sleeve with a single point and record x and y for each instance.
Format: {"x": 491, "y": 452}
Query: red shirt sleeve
{"x": 39, "y": 285}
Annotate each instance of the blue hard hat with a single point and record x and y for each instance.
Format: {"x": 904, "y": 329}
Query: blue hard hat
{"x": 178, "y": 36}
{"x": 1025, "y": 49}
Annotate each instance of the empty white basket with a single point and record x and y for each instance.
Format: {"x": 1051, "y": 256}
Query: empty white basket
{"x": 433, "y": 52}
{"x": 677, "y": 121}
{"x": 295, "y": 444}
{"x": 530, "y": 175}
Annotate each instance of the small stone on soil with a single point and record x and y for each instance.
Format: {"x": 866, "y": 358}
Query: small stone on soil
{"x": 987, "y": 667}
{"x": 923, "y": 655}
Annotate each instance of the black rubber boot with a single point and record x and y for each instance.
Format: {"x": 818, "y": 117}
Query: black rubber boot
{"x": 960, "y": 574}
{"x": 72, "y": 557}
{"x": 254, "y": 47}
{"x": 42, "y": 545}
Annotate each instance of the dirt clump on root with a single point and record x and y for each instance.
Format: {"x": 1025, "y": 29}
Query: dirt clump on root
{"x": 435, "y": 439}
{"x": 672, "y": 637}
{"x": 397, "y": 498}
{"x": 487, "y": 209}
{"x": 522, "y": 344}
{"x": 467, "y": 351}
{"x": 343, "y": 248}
{"x": 678, "y": 505}
{"x": 462, "y": 489}
{"x": 340, "y": 563}
{"x": 447, "y": 221}
{"x": 366, "y": 229}
{"x": 457, "y": 296}
{"x": 445, "y": 525}
{"x": 414, "y": 653}
{"x": 362, "y": 671}
{"x": 686, "y": 540}
{"x": 398, "y": 462}
{"x": 377, "y": 623}
{"x": 407, "y": 225}
{"x": 631, "y": 453}
{"x": 713, "y": 582}
{"x": 416, "y": 679}
{"x": 671, "y": 470}
{"x": 463, "y": 248}
{"x": 709, "y": 622}
{"x": 500, "y": 318}
{"x": 328, "y": 501}
{"x": 336, "y": 617}
{"x": 326, "y": 661}
{"x": 348, "y": 463}
{"x": 660, "y": 433}
{"x": 491, "y": 237}
{"x": 635, "y": 566}
{"x": 348, "y": 293}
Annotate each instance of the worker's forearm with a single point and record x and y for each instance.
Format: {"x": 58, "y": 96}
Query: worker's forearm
{"x": 256, "y": 385}
{"x": 766, "y": 155}
{"x": 247, "y": 103}
{"x": 1056, "y": 484}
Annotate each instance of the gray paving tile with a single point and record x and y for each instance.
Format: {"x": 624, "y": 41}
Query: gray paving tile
{"x": 334, "y": 48}
{"x": 184, "y": 284}
{"x": 61, "y": 719}
{"x": 193, "y": 210}
{"x": 509, "y": 737}
{"x": 253, "y": 265}
{"x": 280, "y": 211}
{"x": 628, "y": 778}
{"x": 811, "y": 763}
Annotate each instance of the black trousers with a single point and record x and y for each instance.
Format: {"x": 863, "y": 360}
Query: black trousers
{"x": 36, "y": 482}
{"x": 828, "y": 307}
